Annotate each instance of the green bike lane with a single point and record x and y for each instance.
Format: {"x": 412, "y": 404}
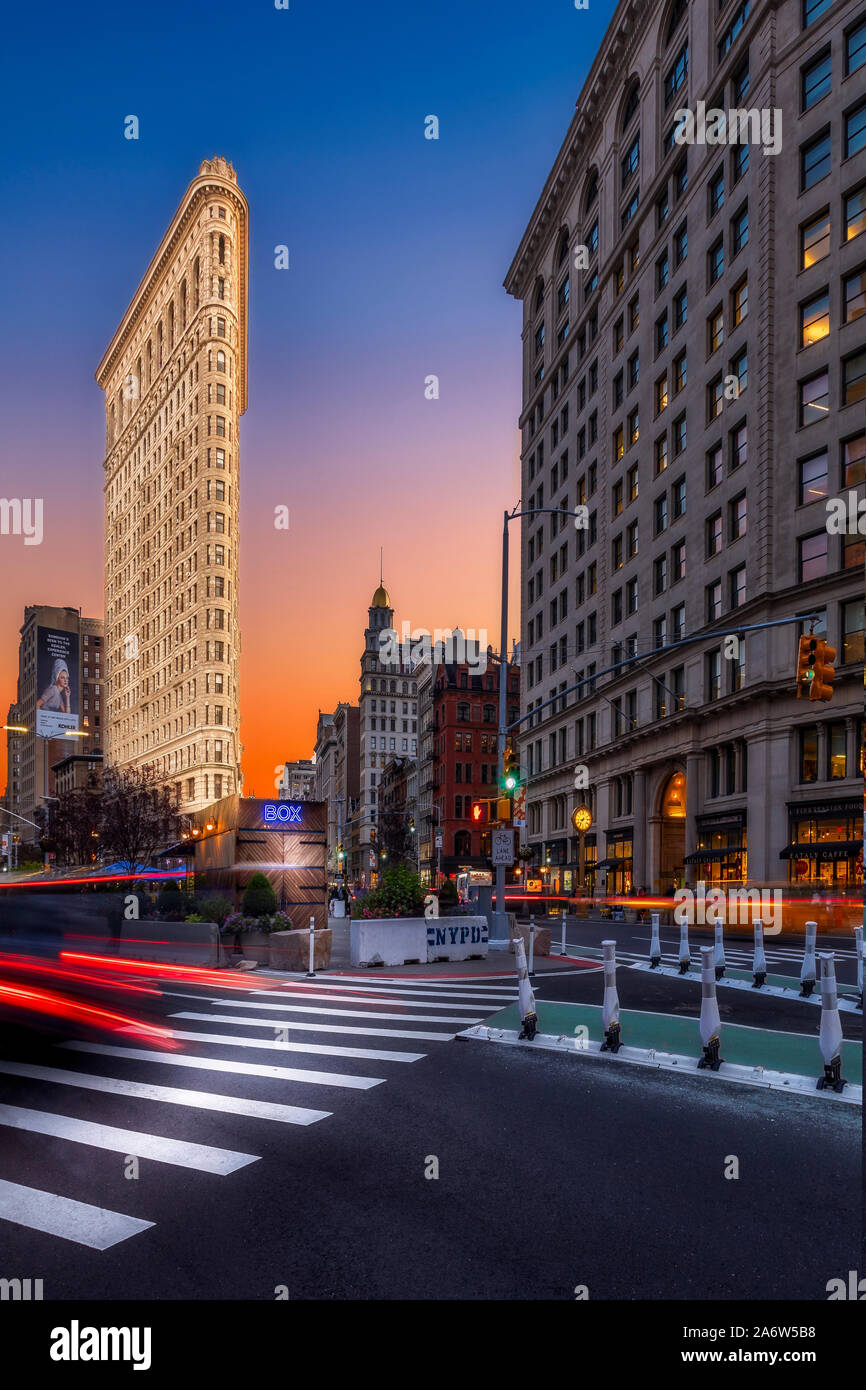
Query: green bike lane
{"x": 771, "y": 1048}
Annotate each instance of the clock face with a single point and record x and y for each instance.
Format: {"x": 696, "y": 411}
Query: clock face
{"x": 582, "y": 818}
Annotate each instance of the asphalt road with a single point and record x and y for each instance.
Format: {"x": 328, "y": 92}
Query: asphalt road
{"x": 554, "y": 1171}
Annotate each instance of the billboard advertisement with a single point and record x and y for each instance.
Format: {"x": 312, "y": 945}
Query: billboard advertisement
{"x": 57, "y": 693}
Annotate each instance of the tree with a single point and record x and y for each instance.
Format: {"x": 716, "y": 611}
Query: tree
{"x": 139, "y": 815}
{"x": 70, "y": 825}
{"x": 260, "y": 900}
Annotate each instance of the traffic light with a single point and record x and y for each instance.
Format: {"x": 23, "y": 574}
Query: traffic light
{"x": 807, "y": 656}
{"x": 340, "y": 855}
{"x": 503, "y": 808}
{"x": 373, "y": 835}
{"x": 480, "y": 813}
{"x": 411, "y": 825}
{"x": 510, "y": 770}
{"x": 824, "y": 672}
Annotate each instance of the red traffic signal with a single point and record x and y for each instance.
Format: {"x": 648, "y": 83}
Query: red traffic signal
{"x": 479, "y": 813}
{"x": 807, "y": 654}
{"x": 825, "y": 673}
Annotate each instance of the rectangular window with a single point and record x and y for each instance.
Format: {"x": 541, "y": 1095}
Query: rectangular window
{"x": 716, "y": 262}
{"x": 660, "y": 575}
{"x": 734, "y": 29}
{"x": 855, "y": 213}
{"x": 715, "y": 467}
{"x": 680, "y": 372}
{"x": 740, "y": 302}
{"x": 817, "y": 80}
{"x": 738, "y": 586}
{"x": 714, "y": 536}
{"x": 681, "y": 244}
{"x": 809, "y": 754}
{"x": 661, "y": 513}
{"x": 661, "y": 394}
{"x": 815, "y": 240}
{"x": 812, "y": 556}
{"x": 678, "y": 562}
{"x": 662, "y": 272}
{"x": 676, "y": 75}
{"x": 679, "y": 434}
{"x": 716, "y": 193}
{"x": 854, "y": 295}
{"x": 661, "y": 454}
{"x": 854, "y": 378}
{"x": 740, "y": 231}
{"x": 715, "y": 330}
{"x": 836, "y": 750}
{"x": 738, "y": 515}
{"x": 739, "y": 162}
{"x": 662, "y": 332}
{"x": 715, "y": 398}
{"x": 855, "y": 48}
{"x": 681, "y": 307}
{"x": 814, "y": 398}
{"x": 814, "y": 161}
{"x": 853, "y": 632}
{"x": 854, "y": 461}
{"x": 855, "y": 130}
{"x": 714, "y": 601}
{"x": 814, "y": 478}
{"x": 714, "y": 675}
{"x": 813, "y": 9}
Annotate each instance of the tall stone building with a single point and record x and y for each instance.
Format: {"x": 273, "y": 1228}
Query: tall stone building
{"x": 694, "y": 375}
{"x": 59, "y": 708}
{"x": 175, "y": 383}
{"x": 388, "y": 720}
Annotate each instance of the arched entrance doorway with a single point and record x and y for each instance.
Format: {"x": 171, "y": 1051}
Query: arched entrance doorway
{"x": 673, "y": 832}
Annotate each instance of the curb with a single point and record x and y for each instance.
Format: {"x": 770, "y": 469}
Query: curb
{"x": 668, "y": 1061}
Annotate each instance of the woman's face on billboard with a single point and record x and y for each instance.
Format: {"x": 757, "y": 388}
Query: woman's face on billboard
{"x": 62, "y": 680}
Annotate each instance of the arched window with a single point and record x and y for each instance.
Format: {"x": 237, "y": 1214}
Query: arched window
{"x": 562, "y": 253}
{"x": 222, "y": 250}
{"x": 679, "y": 9}
{"x": 490, "y": 714}
{"x": 463, "y": 710}
{"x": 221, "y": 360}
{"x": 159, "y": 344}
{"x": 171, "y": 325}
{"x": 196, "y": 271}
{"x": 183, "y": 305}
{"x": 591, "y": 192}
{"x": 632, "y": 105}
{"x": 462, "y": 843}
{"x": 538, "y": 300}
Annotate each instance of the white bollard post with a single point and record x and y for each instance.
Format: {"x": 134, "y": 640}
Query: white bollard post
{"x": 809, "y": 970}
{"x": 710, "y": 1023}
{"x": 311, "y": 973}
{"x": 531, "y": 942}
{"x": 759, "y": 962}
{"x": 685, "y": 954}
{"x": 719, "y": 953}
{"x": 525, "y": 996}
{"x": 610, "y": 1003}
{"x": 858, "y": 941}
{"x": 830, "y": 1032}
{"x": 564, "y": 917}
{"x": 655, "y": 944}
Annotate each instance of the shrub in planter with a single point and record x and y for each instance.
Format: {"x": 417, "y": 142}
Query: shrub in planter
{"x": 281, "y": 921}
{"x": 213, "y": 908}
{"x": 259, "y": 900}
{"x": 233, "y": 924}
{"x": 171, "y": 904}
{"x": 400, "y": 895}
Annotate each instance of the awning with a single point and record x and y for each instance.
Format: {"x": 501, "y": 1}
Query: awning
{"x": 184, "y": 849}
{"x": 609, "y": 864}
{"x": 827, "y": 849}
{"x": 710, "y": 856}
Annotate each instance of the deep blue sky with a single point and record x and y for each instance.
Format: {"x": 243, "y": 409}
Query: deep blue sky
{"x": 398, "y": 247}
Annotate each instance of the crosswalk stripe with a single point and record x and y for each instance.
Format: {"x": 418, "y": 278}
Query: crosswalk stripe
{"x": 201, "y": 1100}
{"x": 367, "y": 1054}
{"x": 386, "y": 990}
{"x": 312, "y": 1078}
{"x": 61, "y": 1216}
{"x": 126, "y": 1141}
{"x": 316, "y": 1027}
{"x": 339, "y": 1013}
{"x": 411, "y": 982}
{"x": 334, "y": 999}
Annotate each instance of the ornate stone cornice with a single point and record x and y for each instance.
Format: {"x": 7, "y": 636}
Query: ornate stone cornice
{"x": 215, "y": 176}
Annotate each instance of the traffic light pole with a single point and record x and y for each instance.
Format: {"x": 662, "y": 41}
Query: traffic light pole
{"x": 499, "y": 921}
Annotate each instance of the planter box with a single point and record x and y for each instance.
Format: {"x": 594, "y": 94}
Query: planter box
{"x": 542, "y": 940}
{"x": 290, "y": 950}
{"x": 457, "y": 938}
{"x": 388, "y": 941}
{"x": 254, "y": 945}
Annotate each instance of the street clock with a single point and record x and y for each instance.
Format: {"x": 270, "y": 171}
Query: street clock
{"x": 581, "y": 818}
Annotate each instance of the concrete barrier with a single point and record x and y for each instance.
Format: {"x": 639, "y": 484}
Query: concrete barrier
{"x": 542, "y": 939}
{"x": 388, "y": 941}
{"x": 172, "y": 943}
{"x": 290, "y": 950}
{"x": 457, "y": 938}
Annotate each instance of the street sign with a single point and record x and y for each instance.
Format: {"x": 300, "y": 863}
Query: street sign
{"x": 438, "y": 839}
{"x": 519, "y": 812}
{"x": 502, "y": 847}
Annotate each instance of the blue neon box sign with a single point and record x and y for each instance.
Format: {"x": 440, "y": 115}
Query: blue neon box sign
{"x": 282, "y": 815}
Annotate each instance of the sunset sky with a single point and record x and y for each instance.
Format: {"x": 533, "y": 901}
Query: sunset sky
{"x": 398, "y": 249}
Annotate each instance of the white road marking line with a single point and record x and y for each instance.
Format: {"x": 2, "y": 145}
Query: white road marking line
{"x": 312, "y": 1078}
{"x": 202, "y": 1157}
{"x": 61, "y": 1216}
{"x": 385, "y": 990}
{"x": 333, "y": 999}
{"x": 368, "y": 1054}
{"x": 339, "y": 1013}
{"x": 170, "y": 1095}
{"x": 316, "y": 1027}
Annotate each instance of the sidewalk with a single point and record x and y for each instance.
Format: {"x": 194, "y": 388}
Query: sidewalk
{"x": 495, "y": 963}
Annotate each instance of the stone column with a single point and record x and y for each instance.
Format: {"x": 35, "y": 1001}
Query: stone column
{"x": 822, "y": 752}
{"x": 852, "y": 752}
{"x": 640, "y": 867}
{"x": 694, "y": 805}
